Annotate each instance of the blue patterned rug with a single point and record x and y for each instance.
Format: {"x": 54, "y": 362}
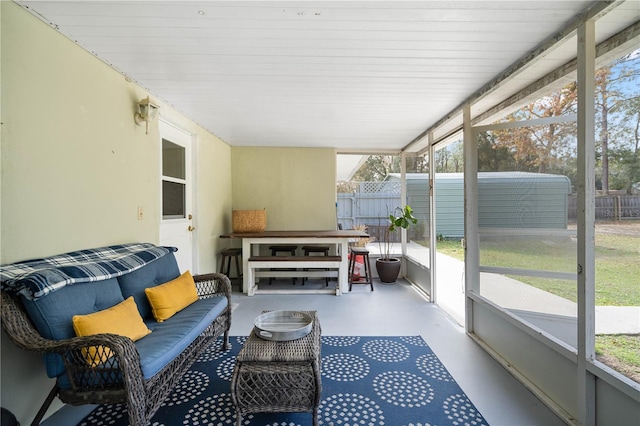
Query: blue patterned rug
{"x": 392, "y": 381}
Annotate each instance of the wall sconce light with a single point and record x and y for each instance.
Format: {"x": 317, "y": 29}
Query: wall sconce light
{"x": 147, "y": 112}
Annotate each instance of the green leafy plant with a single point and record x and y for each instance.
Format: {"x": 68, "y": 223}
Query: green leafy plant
{"x": 401, "y": 218}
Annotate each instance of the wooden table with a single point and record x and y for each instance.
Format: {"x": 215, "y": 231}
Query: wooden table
{"x": 251, "y": 242}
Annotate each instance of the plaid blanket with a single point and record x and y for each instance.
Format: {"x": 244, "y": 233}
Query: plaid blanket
{"x": 39, "y": 277}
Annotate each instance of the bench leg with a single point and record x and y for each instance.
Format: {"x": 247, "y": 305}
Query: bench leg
{"x": 251, "y": 279}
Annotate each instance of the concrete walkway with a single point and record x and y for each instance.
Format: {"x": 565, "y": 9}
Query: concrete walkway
{"x": 552, "y": 313}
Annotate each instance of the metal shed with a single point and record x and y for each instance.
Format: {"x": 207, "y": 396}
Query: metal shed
{"x": 506, "y": 200}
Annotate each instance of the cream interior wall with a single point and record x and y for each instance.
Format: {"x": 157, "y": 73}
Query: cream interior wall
{"x": 295, "y": 185}
{"x": 75, "y": 168}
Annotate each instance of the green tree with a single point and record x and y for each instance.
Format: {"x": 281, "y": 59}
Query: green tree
{"x": 618, "y": 102}
{"x": 449, "y": 159}
{"x": 375, "y": 169}
{"x": 626, "y": 152}
{"x": 542, "y": 146}
{"x": 494, "y": 157}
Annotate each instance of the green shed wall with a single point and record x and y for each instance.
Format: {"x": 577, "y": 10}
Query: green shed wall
{"x": 505, "y": 200}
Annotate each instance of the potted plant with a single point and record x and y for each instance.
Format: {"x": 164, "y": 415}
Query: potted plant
{"x": 389, "y": 267}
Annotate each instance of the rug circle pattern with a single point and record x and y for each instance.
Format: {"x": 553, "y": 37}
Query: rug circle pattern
{"x": 366, "y": 380}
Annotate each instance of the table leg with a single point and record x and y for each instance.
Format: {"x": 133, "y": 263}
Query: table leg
{"x": 247, "y": 276}
{"x": 343, "y": 274}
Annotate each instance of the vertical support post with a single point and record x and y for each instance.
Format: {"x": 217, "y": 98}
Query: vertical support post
{"x": 472, "y": 245}
{"x": 343, "y": 271}
{"x": 403, "y": 202}
{"x": 432, "y": 221}
{"x": 586, "y": 221}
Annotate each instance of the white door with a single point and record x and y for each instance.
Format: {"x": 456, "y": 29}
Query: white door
{"x": 177, "y": 224}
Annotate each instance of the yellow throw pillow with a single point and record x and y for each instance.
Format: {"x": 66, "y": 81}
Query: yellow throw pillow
{"x": 169, "y": 298}
{"x": 123, "y": 319}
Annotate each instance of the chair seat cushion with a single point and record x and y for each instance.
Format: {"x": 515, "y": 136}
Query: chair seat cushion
{"x": 168, "y": 339}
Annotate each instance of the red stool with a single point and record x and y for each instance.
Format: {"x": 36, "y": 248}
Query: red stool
{"x": 366, "y": 279}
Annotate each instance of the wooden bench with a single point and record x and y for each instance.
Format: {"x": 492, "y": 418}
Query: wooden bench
{"x": 319, "y": 263}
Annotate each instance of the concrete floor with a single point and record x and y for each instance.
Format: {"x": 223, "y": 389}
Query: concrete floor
{"x": 397, "y": 310}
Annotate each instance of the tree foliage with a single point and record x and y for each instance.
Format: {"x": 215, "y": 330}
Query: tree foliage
{"x": 378, "y": 167}
{"x": 450, "y": 159}
{"x": 552, "y": 148}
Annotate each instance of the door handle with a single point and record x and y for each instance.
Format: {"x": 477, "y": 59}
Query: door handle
{"x": 191, "y": 228}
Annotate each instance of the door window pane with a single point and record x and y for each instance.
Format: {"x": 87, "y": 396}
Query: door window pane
{"x": 173, "y": 160}
{"x": 173, "y": 200}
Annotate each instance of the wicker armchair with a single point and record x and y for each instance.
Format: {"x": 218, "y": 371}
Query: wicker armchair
{"x": 119, "y": 379}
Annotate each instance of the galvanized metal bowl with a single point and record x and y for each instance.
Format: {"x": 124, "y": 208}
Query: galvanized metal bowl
{"x": 282, "y": 326}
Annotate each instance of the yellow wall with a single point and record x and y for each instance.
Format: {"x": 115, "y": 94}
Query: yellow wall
{"x": 75, "y": 168}
{"x": 295, "y": 185}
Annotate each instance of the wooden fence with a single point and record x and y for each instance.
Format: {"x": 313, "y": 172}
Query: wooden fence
{"x": 611, "y": 207}
{"x": 370, "y": 205}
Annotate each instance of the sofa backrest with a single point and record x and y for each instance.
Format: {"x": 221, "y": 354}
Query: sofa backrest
{"x": 155, "y": 273}
{"x": 52, "y": 313}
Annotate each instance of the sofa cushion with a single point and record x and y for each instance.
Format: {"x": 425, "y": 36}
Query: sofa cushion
{"x": 157, "y": 272}
{"x": 52, "y": 313}
{"x": 123, "y": 319}
{"x": 171, "y": 337}
{"x": 168, "y": 298}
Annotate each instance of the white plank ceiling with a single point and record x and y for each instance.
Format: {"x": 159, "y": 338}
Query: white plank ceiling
{"x": 357, "y": 76}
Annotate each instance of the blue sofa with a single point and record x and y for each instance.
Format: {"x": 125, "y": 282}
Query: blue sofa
{"x": 140, "y": 373}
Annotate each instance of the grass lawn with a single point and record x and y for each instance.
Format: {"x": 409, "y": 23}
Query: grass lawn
{"x": 617, "y": 278}
{"x": 617, "y": 264}
{"x": 620, "y": 352}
